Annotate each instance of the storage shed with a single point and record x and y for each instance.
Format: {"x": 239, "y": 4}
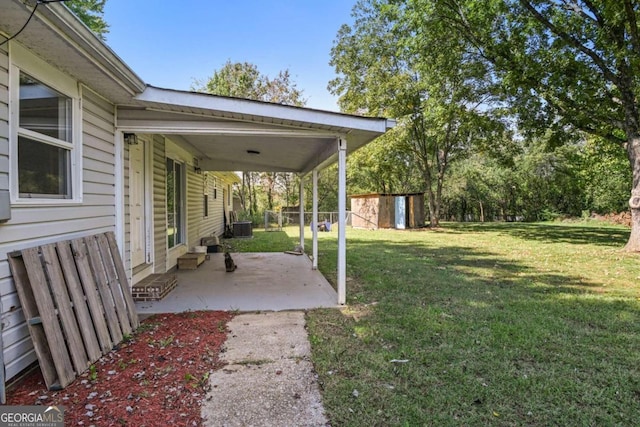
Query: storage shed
{"x": 379, "y": 210}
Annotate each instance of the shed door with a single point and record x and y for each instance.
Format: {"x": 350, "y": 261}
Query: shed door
{"x": 401, "y": 213}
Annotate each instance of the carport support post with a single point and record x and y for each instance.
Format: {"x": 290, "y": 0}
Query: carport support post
{"x": 315, "y": 219}
{"x": 342, "y": 221}
{"x": 302, "y": 212}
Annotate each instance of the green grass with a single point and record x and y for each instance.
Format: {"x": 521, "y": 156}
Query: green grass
{"x": 500, "y": 324}
{"x": 263, "y": 241}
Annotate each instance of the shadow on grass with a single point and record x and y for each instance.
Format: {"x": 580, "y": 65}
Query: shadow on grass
{"x": 550, "y": 232}
{"x": 401, "y": 264}
{"x": 488, "y": 339}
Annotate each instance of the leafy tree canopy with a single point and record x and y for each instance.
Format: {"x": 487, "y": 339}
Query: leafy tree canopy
{"x": 90, "y": 12}
{"x": 244, "y": 80}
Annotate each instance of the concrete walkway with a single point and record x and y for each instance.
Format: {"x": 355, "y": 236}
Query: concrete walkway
{"x": 263, "y": 281}
{"x": 269, "y": 379}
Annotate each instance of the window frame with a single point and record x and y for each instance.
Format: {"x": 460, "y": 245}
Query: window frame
{"x": 22, "y": 61}
{"x": 182, "y": 203}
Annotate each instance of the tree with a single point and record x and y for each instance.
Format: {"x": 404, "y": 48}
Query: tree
{"x": 90, "y": 12}
{"x": 565, "y": 66}
{"x": 398, "y": 61}
{"x": 244, "y": 80}
{"x": 605, "y": 171}
{"x": 383, "y": 166}
{"x": 327, "y": 194}
{"x": 475, "y": 189}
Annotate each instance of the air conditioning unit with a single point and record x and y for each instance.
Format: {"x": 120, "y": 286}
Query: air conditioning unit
{"x": 242, "y": 229}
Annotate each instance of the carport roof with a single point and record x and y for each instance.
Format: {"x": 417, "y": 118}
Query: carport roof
{"x": 234, "y": 134}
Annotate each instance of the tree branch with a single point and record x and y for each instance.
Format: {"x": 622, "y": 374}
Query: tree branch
{"x": 574, "y": 6}
{"x": 611, "y": 76}
{"x": 633, "y": 26}
{"x": 594, "y": 10}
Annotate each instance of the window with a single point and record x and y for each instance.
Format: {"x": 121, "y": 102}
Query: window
{"x": 45, "y": 121}
{"x": 175, "y": 203}
{"x": 45, "y": 145}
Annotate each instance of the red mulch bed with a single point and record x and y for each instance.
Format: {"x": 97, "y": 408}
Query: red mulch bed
{"x": 159, "y": 377}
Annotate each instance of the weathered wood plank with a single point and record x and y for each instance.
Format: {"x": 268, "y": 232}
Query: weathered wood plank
{"x": 65, "y": 311}
{"x": 79, "y": 302}
{"x": 91, "y": 292}
{"x": 75, "y": 300}
{"x": 100, "y": 278}
{"x": 113, "y": 284}
{"x": 30, "y": 309}
{"x": 124, "y": 282}
{"x": 46, "y": 310}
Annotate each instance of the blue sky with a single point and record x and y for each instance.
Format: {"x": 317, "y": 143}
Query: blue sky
{"x": 171, "y": 43}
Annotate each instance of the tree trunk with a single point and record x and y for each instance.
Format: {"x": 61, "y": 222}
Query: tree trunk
{"x": 633, "y": 151}
{"x": 431, "y": 198}
{"x": 481, "y": 212}
{"x": 433, "y": 219}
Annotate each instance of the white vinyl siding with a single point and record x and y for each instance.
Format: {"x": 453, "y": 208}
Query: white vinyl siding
{"x": 4, "y": 119}
{"x": 159, "y": 205}
{"x": 198, "y": 225}
{"x": 34, "y": 224}
{"x": 4, "y": 185}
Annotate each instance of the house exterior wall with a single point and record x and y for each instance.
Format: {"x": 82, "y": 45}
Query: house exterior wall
{"x": 4, "y": 181}
{"x": 159, "y": 205}
{"x": 216, "y": 188}
{"x": 37, "y": 224}
{"x": 197, "y": 186}
{"x": 195, "y": 207}
{"x": 199, "y": 225}
{"x": 126, "y": 243}
{"x": 4, "y": 118}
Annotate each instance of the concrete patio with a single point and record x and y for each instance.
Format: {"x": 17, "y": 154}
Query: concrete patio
{"x": 262, "y": 282}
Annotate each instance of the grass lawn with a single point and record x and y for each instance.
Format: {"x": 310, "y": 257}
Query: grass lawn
{"x": 481, "y": 324}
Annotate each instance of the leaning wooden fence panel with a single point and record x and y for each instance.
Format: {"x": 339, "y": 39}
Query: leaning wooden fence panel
{"x": 77, "y": 303}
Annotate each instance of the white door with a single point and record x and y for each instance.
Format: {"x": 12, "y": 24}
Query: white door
{"x": 137, "y": 204}
{"x": 401, "y": 213}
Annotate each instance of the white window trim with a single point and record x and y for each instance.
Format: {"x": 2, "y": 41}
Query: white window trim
{"x": 22, "y": 60}
{"x": 183, "y": 203}
{"x": 179, "y": 154}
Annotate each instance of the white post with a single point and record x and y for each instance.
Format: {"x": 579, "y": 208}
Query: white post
{"x": 315, "y": 219}
{"x": 301, "y": 212}
{"x": 342, "y": 223}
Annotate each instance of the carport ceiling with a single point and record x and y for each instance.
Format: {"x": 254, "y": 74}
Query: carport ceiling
{"x": 258, "y": 152}
{"x": 231, "y": 134}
